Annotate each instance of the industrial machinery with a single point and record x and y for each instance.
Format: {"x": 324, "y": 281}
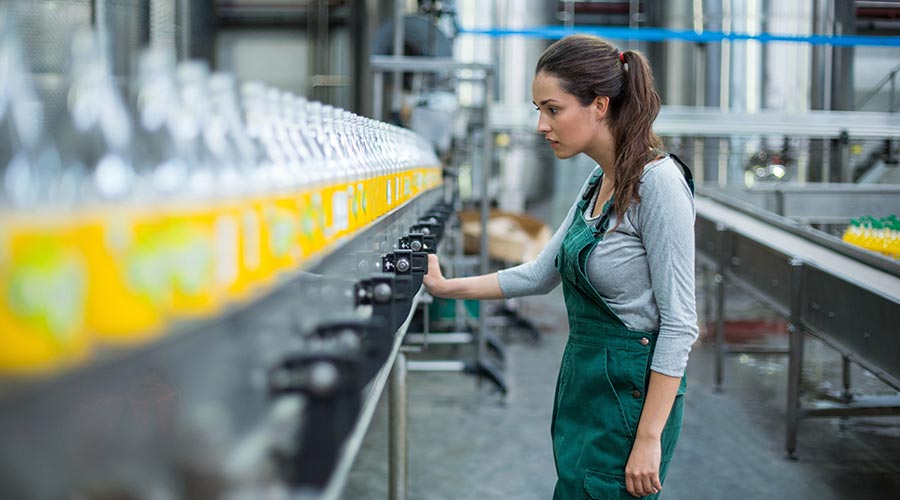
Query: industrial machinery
{"x": 204, "y": 298}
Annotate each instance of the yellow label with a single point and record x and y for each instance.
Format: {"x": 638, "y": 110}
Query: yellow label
{"x": 312, "y": 222}
{"x": 190, "y": 242}
{"x": 44, "y": 293}
{"x": 248, "y": 258}
{"x": 283, "y": 221}
{"x": 129, "y": 291}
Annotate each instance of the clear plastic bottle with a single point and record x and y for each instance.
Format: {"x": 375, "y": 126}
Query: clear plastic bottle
{"x": 282, "y": 209}
{"x": 43, "y": 273}
{"x": 261, "y": 134}
{"x": 237, "y": 228}
{"x": 313, "y": 223}
{"x": 191, "y": 225}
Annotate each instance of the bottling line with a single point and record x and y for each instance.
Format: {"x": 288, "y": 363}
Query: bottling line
{"x": 211, "y": 272}
{"x": 230, "y": 268}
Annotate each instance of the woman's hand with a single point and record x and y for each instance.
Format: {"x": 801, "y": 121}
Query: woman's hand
{"x": 642, "y": 470}
{"x": 434, "y": 281}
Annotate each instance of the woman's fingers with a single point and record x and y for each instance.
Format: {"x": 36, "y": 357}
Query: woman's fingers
{"x": 434, "y": 278}
{"x": 656, "y": 484}
{"x": 642, "y": 484}
{"x": 629, "y": 485}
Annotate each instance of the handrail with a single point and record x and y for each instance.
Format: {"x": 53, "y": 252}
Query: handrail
{"x": 872, "y": 93}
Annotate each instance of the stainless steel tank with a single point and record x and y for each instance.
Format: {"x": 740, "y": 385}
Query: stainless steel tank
{"x": 526, "y": 168}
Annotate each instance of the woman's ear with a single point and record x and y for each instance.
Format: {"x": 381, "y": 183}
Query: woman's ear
{"x": 601, "y": 106}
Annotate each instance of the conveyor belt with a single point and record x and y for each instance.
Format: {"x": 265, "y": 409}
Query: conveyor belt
{"x": 838, "y": 297}
{"x": 201, "y": 407}
{"x": 794, "y": 246}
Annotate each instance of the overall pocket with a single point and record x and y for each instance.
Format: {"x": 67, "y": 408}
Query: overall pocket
{"x": 627, "y": 373}
{"x": 600, "y": 486}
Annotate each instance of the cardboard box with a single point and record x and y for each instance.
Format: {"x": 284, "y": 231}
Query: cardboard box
{"x": 512, "y": 237}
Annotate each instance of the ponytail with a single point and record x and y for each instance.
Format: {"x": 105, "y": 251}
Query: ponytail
{"x": 633, "y": 114}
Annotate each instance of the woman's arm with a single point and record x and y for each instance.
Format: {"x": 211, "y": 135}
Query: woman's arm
{"x": 486, "y": 286}
{"x": 666, "y": 223}
{"x": 642, "y": 470}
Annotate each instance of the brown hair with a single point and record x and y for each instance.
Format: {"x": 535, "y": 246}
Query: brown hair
{"x": 588, "y": 67}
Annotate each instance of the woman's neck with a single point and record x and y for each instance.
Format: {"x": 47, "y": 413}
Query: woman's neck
{"x": 603, "y": 151}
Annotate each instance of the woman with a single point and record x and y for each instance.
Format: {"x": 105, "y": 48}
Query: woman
{"x": 625, "y": 258}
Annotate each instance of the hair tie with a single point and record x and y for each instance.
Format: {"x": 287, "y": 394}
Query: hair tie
{"x": 622, "y": 57}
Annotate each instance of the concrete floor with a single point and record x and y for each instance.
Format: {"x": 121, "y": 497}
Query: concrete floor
{"x": 466, "y": 442}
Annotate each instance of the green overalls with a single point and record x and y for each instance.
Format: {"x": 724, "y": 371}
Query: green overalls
{"x": 604, "y": 376}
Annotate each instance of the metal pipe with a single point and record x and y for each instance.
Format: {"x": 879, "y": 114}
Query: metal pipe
{"x": 720, "y": 329}
{"x": 398, "y": 447}
{"x": 795, "y": 360}
{"x": 721, "y": 263}
{"x": 634, "y": 10}
{"x": 893, "y": 89}
{"x": 399, "y": 35}
{"x": 322, "y": 47}
{"x": 845, "y": 378}
{"x": 378, "y": 95}
{"x": 486, "y": 161}
{"x": 436, "y": 366}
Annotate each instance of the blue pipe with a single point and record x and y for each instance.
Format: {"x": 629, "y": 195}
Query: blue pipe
{"x": 662, "y": 34}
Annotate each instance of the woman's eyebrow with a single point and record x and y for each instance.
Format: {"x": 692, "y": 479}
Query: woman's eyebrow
{"x": 545, "y": 101}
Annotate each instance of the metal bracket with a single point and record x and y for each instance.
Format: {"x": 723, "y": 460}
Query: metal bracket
{"x": 326, "y": 372}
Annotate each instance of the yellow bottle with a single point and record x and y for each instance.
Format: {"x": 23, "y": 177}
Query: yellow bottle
{"x": 43, "y": 277}
{"x": 129, "y": 293}
{"x": 190, "y": 241}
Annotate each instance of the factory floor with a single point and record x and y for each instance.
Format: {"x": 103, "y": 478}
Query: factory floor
{"x": 468, "y": 442}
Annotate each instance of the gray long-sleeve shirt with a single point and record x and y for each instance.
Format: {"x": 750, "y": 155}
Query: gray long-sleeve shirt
{"x": 644, "y": 270}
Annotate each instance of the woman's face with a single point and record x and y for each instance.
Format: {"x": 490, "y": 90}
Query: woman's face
{"x": 569, "y": 127}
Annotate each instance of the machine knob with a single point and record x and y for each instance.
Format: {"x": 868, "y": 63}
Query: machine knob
{"x": 323, "y": 378}
{"x": 415, "y": 246}
{"x": 426, "y": 231}
{"x": 402, "y": 265}
{"x": 382, "y": 292}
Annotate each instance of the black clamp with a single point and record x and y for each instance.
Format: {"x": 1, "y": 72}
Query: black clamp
{"x": 426, "y": 227}
{"x": 327, "y": 373}
{"x": 418, "y": 242}
{"x": 374, "y": 343}
{"x": 405, "y": 262}
{"x": 390, "y": 297}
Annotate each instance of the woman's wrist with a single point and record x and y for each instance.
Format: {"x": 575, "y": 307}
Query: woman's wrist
{"x": 648, "y": 435}
{"x": 448, "y": 288}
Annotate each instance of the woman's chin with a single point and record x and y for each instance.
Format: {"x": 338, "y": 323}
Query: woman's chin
{"x": 563, "y": 154}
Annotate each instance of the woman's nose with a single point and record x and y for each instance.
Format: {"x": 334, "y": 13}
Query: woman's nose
{"x": 542, "y": 126}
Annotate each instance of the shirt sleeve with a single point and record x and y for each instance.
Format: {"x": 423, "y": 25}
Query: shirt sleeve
{"x": 539, "y": 276}
{"x": 666, "y": 226}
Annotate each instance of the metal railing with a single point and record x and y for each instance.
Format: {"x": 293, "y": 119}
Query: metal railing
{"x": 890, "y": 77}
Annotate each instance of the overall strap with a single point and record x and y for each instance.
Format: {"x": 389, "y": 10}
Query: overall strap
{"x": 688, "y": 175}
{"x": 592, "y": 185}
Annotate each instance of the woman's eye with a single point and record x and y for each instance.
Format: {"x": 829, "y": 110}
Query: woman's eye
{"x": 552, "y": 110}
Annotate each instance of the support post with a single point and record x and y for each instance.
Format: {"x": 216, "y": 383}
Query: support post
{"x": 845, "y": 379}
{"x": 724, "y": 253}
{"x": 795, "y": 361}
{"x": 486, "y": 163}
{"x": 398, "y": 446}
